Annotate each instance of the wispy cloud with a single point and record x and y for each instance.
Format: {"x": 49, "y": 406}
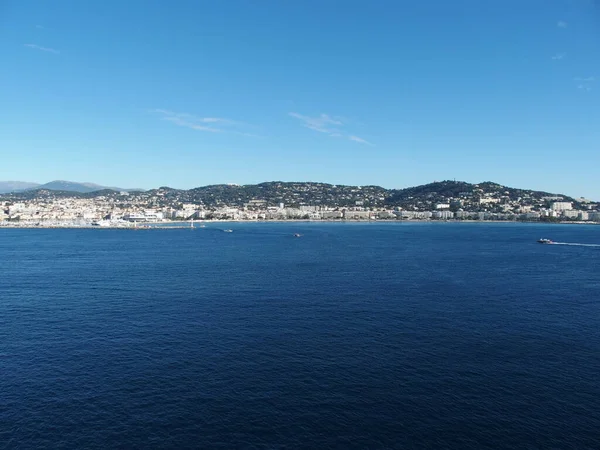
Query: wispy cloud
{"x": 209, "y": 124}
{"x": 360, "y": 140}
{"x": 585, "y": 83}
{"x": 562, "y": 24}
{"x": 43, "y": 49}
{"x": 40, "y": 27}
{"x": 323, "y": 123}
{"x": 559, "y": 56}
{"x": 331, "y": 125}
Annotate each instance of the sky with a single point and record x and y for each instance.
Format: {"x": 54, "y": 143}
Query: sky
{"x": 396, "y": 93}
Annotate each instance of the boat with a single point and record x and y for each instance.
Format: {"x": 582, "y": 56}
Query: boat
{"x": 545, "y": 241}
{"x": 297, "y": 235}
{"x": 228, "y": 231}
{"x": 101, "y": 223}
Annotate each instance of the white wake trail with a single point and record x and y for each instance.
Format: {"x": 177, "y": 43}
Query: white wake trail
{"x": 576, "y": 244}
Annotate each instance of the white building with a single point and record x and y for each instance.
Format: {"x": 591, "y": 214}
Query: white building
{"x": 357, "y": 215}
{"x": 134, "y": 217}
{"x": 332, "y": 215}
{"x": 561, "y": 206}
{"x": 90, "y": 215}
{"x": 444, "y": 215}
{"x": 408, "y": 215}
{"x": 532, "y": 215}
{"x": 465, "y": 215}
{"x": 385, "y": 215}
{"x": 595, "y": 216}
{"x": 146, "y": 216}
{"x": 153, "y": 215}
{"x": 570, "y": 214}
{"x": 488, "y": 200}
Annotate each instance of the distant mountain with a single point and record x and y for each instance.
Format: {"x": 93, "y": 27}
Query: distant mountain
{"x": 72, "y": 186}
{"x": 57, "y": 185}
{"x": 12, "y": 186}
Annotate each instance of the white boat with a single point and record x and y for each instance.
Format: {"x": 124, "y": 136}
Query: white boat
{"x": 228, "y": 231}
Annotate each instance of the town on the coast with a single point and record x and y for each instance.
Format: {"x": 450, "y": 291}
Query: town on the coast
{"x": 279, "y": 201}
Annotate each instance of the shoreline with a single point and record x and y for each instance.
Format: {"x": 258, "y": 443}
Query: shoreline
{"x": 187, "y": 225}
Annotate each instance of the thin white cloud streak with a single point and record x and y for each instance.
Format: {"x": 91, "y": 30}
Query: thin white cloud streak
{"x": 43, "y": 49}
{"x": 324, "y": 123}
{"x": 320, "y": 123}
{"x": 360, "y": 140}
{"x": 168, "y": 113}
{"x": 208, "y": 124}
{"x": 559, "y": 56}
{"x": 586, "y": 79}
{"x": 194, "y": 126}
{"x": 40, "y": 27}
{"x": 562, "y": 24}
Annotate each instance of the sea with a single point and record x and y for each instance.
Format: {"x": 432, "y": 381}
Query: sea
{"x": 350, "y": 336}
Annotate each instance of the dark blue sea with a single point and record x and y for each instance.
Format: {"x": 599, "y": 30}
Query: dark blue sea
{"x": 428, "y": 336}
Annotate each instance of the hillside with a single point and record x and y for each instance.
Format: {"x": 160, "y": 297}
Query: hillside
{"x": 487, "y": 196}
{"x": 460, "y": 194}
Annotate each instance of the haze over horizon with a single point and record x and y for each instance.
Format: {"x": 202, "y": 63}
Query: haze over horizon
{"x": 139, "y": 94}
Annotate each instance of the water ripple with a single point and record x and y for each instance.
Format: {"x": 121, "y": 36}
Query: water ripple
{"x": 374, "y": 336}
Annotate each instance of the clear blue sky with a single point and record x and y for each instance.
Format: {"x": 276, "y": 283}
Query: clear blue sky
{"x": 144, "y": 93}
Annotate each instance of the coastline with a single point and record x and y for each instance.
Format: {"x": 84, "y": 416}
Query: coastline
{"x": 170, "y": 225}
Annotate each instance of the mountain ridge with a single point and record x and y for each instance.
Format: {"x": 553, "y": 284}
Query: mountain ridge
{"x": 65, "y": 187}
{"x": 56, "y": 185}
{"x": 458, "y": 194}
{"x": 12, "y": 186}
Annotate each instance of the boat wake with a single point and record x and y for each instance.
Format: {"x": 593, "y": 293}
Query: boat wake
{"x": 576, "y": 244}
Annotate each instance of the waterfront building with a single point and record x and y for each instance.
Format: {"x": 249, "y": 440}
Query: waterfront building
{"x": 561, "y": 206}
